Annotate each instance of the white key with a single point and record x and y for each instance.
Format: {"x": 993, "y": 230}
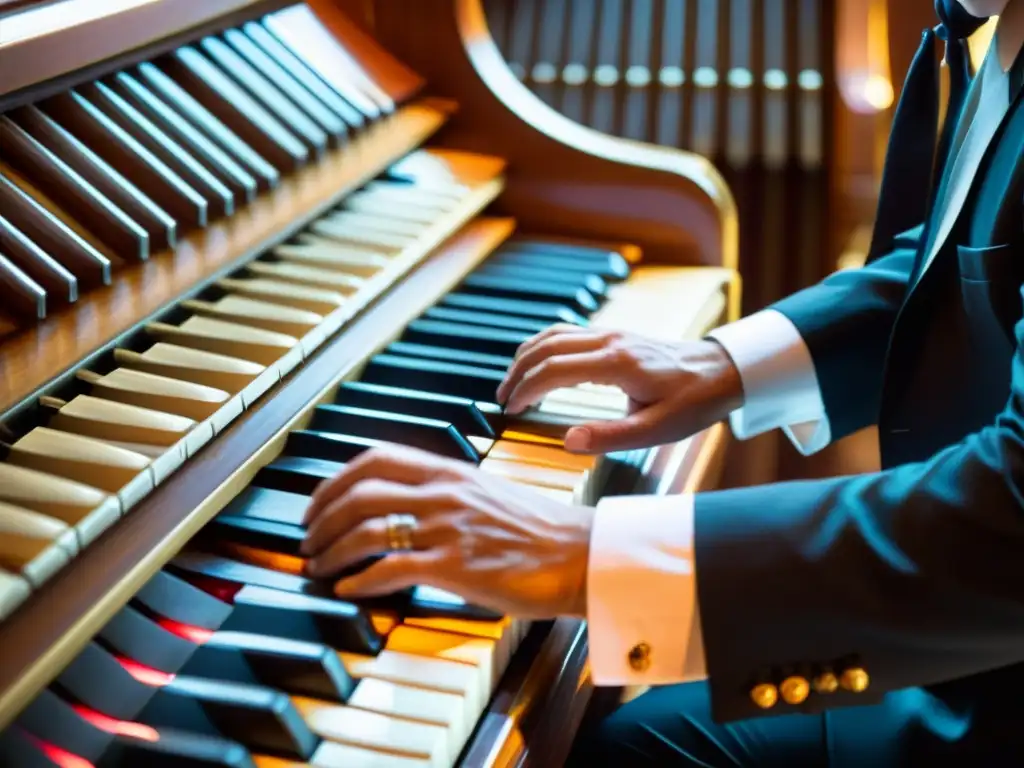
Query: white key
{"x": 371, "y": 730}
{"x": 82, "y": 459}
{"x": 332, "y": 755}
{"x": 258, "y": 314}
{"x": 301, "y": 274}
{"x": 88, "y": 510}
{"x": 540, "y": 455}
{"x": 445, "y": 710}
{"x": 434, "y": 674}
{"x": 120, "y": 422}
{"x": 231, "y": 374}
{"x": 34, "y": 545}
{"x": 224, "y": 338}
{"x": 326, "y": 254}
{"x": 159, "y": 393}
{"x": 13, "y": 591}
{"x": 317, "y": 300}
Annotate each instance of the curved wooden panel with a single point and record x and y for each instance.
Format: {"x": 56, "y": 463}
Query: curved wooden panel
{"x": 563, "y": 178}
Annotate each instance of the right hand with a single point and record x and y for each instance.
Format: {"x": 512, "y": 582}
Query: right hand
{"x": 675, "y": 389}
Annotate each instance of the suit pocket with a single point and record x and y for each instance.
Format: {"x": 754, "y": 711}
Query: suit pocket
{"x": 990, "y": 283}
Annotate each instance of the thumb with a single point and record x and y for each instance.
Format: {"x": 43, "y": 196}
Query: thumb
{"x": 392, "y": 573}
{"x": 640, "y": 429}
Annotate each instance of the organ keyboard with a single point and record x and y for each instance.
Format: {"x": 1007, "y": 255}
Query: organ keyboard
{"x": 239, "y": 245}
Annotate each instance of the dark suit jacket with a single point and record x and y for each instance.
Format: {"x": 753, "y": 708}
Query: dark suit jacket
{"x": 916, "y": 573}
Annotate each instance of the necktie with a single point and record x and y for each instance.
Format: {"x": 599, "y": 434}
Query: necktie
{"x": 915, "y": 153}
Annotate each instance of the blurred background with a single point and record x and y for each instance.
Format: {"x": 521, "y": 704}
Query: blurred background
{"x": 792, "y": 101}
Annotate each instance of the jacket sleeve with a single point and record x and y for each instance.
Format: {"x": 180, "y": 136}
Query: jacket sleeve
{"x": 846, "y": 321}
{"x": 913, "y": 575}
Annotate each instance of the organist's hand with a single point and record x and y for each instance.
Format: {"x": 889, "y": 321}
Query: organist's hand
{"x": 675, "y": 388}
{"x": 494, "y": 543}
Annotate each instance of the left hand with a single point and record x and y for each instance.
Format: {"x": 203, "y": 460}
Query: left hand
{"x": 494, "y": 543}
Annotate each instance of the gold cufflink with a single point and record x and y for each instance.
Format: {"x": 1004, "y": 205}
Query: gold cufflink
{"x": 640, "y": 657}
{"x": 795, "y": 689}
{"x": 854, "y": 680}
{"x": 765, "y": 695}
{"x": 826, "y": 682}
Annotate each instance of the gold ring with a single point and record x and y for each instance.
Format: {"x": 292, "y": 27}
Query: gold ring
{"x": 400, "y": 528}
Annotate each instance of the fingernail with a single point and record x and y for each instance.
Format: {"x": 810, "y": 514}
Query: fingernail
{"x": 342, "y": 589}
{"x": 312, "y": 568}
{"x": 577, "y": 439}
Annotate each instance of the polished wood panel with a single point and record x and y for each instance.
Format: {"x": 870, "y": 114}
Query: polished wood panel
{"x": 566, "y": 178}
{"x": 30, "y": 360}
{"x": 46, "y": 633}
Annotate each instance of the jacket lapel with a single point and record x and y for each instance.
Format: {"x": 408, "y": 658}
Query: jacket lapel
{"x": 959, "y": 179}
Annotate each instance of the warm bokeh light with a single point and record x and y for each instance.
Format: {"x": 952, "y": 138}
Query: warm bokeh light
{"x": 146, "y": 675}
{"x": 62, "y": 758}
{"x": 118, "y": 727}
{"x": 197, "y": 635}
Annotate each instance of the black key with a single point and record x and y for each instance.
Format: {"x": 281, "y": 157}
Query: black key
{"x": 252, "y": 532}
{"x": 296, "y": 474}
{"x": 217, "y": 194}
{"x": 176, "y": 749}
{"x": 486, "y": 319}
{"x": 98, "y": 680}
{"x": 297, "y": 667}
{"x": 346, "y": 620}
{"x": 132, "y": 635}
{"x": 521, "y": 289}
{"x": 53, "y": 720}
{"x": 303, "y": 73}
{"x": 461, "y": 413}
{"x": 466, "y": 381}
{"x": 22, "y": 750}
{"x": 327, "y": 446}
{"x": 242, "y": 184}
{"x": 590, "y": 282}
{"x": 260, "y": 718}
{"x": 333, "y": 623}
{"x": 416, "y": 431}
{"x": 472, "y": 338}
{"x": 288, "y": 84}
{"x": 447, "y": 354}
{"x": 175, "y": 599}
{"x": 548, "y": 311}
{"x": 53, "y": 236}
{"x": 428, "y": 602}
{"x": 60, "y": 285}
{"x": 160, "y": 225}
{"x": 265, "y": 504}
{"x": 208, "y": 85}
{"x": 614, "y": 269}
{"x": 181, "y": 101}
{"x": 265, "y": 92}
{"x": 580, "y": 253}
{"x": 23, "y": 296}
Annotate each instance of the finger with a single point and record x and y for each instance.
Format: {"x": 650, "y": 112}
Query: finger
{"x": 546, "y": 349}
{"x": 395, "y": 464}
{"x": 562, "y": 371}
{"x": 395, "y": 572}
{"x": 366, "y": 500}
{"x": 552, "y": 330}
{"x": 366, "y": 540}
{"x": 640, "y": 429}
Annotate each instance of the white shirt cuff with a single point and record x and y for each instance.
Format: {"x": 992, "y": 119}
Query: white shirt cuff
{"x": 641, "y": 593}
{"x": 780, "y": 385}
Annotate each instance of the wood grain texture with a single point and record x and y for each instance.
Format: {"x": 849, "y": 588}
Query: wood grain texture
{"x": 29, "y": 360}
{"x": 44, "y": 635}
{"x": 566, "y": 179}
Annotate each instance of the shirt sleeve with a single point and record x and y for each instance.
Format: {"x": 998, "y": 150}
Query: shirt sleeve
{"x": 780, "y": 386}
{"x": 644, "y": 626}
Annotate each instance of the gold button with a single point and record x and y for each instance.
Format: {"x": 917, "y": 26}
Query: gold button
{"x": 826, "y": 682}
{"x": 765, "y": 695}
{"x": 640, "y": 657}
{"x": 795, "y": 689}
{"x": 854, "y": 679}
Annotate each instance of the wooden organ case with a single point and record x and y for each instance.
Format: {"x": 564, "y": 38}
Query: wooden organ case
{"x": 240, "y": 242}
